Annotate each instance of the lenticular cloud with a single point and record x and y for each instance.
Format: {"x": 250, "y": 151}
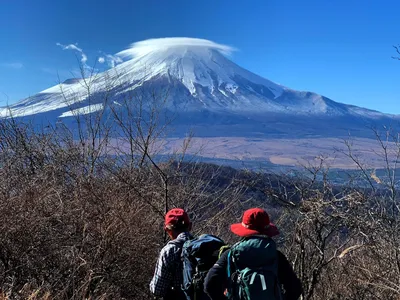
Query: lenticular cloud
{"x": 139, "y": 49}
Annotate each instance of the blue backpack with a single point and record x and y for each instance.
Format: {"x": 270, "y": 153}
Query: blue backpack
{"x": 198, "y": 256}
{"x": 253, "y": 270}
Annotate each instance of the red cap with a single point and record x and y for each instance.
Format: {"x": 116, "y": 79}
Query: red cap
{"x": 255, "y": 221}
{"x": 177, "y": 217}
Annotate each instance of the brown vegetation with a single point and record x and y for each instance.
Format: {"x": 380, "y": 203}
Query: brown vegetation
{"x": 82, "y": 211}
{"x": 79, "y": 222}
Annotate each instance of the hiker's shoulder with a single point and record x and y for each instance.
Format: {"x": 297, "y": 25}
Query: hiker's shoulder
{"x": 169, "y": 249}
{"x": 178, "y": 242}
{"x": 283, "y": 262}
{"x": 224, "y": 255}
{"x": 184, "y": 236}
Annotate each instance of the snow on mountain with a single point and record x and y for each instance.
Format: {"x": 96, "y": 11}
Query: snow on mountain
{"x": 191, "y": 61}
{"x": 199, "y": 76}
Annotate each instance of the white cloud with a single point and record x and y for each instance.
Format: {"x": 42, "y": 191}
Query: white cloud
{"x": 139, "y": 49}
{"x": 75, "y": 47}
{"x": 70, "y": 47}
{"x": 112, "y": 60}
{"x": 13, "y": 65}
{"x": 84, "y": 58}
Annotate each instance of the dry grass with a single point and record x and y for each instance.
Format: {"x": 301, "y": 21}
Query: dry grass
{"x": 78, "y": 223}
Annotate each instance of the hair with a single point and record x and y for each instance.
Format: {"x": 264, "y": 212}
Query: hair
{"x": 179, "y": 226}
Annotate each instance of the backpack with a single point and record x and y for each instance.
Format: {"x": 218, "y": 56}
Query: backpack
{"x": 198, "y": 256}
{"x": 253, "y": 270}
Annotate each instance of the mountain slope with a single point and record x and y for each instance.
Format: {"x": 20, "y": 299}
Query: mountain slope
{"x": 205, "y": 89}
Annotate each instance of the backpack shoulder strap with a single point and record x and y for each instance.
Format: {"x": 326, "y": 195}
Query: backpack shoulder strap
{"x": 222, "y": 250}
{"x": 230, "y": 261}
{"x": 229, "y": 273}
{"x": 229, "y": 268}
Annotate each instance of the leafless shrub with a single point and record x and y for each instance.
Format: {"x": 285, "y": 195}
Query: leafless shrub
{"x": 343, "y": 241}
{"x": 82, "y": 210}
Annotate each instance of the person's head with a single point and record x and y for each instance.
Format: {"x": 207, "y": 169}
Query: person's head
{"x": 255, "y": 221}
{"x": 176, "y": 222}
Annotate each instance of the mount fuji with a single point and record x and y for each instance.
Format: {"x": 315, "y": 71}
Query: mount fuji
{"x": 207, "y": 92}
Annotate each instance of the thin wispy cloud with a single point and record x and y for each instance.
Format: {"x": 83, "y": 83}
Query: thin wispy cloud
{"x": 13, "y": 65}
{"x": 84, "y": 58}
{"x": 111, "y": 60}
{"x": 142, "y": 48}
{"x": 69, "y": 47}
{"x": 74, "y": 47}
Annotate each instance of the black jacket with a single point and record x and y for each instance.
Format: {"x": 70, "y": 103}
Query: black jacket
{"x": 216, "y": 280}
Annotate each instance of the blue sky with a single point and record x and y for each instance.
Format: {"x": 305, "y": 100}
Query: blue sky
{"x": 341, "y": 49}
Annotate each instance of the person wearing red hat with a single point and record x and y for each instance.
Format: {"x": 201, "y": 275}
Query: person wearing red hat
{"x": 167, "y": 279}
{"x": 256, "y": 251}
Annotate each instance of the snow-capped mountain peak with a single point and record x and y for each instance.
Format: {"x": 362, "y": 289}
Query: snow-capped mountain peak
{"x": 199, "y": 75}
{"x": 193, "y": 62}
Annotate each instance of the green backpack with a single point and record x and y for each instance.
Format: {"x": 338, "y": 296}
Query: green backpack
{"x": 253, "y": 270}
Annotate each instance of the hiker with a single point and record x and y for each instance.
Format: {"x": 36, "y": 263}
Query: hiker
{"x": 167, "y": 279}
{"x": 253, "y": 269}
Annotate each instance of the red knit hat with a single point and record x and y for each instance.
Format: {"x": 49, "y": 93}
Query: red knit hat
{"x": 177, "y": 217}
{"x": 255, "y": 221}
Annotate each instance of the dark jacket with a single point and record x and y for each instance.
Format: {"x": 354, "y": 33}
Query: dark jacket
{"x": 216, "y": 280}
